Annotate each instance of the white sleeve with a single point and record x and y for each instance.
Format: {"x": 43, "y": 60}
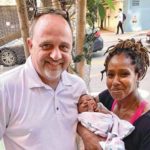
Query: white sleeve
{"x": 4, "y": 110}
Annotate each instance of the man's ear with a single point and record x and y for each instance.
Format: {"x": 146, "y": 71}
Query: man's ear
{"x": 29, "y": 43}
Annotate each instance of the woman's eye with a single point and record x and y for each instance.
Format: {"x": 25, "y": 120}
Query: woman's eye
{"x": 125, "y": 74}
{"x": 110, "y": 75}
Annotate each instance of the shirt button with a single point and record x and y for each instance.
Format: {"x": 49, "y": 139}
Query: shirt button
{"x": 57, "y": 108}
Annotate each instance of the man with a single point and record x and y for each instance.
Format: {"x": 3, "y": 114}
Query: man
{"x": 120, "y": 21}
{"x": 38, "y": 100}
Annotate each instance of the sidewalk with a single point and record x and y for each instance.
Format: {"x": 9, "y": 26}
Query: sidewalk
{"x": 111, "y": 36}
{"x": 136, "y": 33}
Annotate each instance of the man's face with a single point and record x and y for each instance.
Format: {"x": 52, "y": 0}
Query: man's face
{"x": 50, "y": 47}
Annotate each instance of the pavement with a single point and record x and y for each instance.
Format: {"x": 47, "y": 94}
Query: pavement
{"x": 4, "y": 69}
{"x": 111, "y": 37}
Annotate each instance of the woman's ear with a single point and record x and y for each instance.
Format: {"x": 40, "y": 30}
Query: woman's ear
{"x": 140, "y": 75}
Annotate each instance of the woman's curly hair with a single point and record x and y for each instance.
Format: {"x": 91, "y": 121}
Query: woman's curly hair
{"x": 132, "y": 49}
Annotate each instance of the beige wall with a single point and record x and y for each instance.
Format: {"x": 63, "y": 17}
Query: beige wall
{"x": 7, "y": 2}
{"x": 111, "y": 21}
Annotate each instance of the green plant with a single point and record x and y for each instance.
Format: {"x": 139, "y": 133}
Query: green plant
{"x": 97, "y": 7}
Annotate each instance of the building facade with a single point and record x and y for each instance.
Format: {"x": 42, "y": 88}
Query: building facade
{"x": 137, "y": 13}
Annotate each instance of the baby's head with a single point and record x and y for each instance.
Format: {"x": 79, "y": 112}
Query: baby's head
{"x": 86, "y": 103}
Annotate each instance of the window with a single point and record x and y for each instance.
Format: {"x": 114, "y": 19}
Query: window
{"x": 135, "y": 2}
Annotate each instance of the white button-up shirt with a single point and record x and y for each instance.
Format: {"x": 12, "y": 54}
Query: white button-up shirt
{"x": 35, "y": 117}
{"x": 120, "y": 17}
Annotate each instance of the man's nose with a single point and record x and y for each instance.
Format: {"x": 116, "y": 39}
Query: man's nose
{"x": 56, "y": 54}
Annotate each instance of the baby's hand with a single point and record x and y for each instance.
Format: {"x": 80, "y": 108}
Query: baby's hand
{"x": 91, "y": 105}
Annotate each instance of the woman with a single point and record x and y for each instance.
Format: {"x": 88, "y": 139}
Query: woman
{"x": 125, "y": 65}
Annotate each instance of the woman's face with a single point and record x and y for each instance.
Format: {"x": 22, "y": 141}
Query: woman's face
{"x": 121, "y": 77}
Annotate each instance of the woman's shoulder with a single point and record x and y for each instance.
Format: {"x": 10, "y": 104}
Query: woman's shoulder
{"x": 105, "y": 98}
{"x": 147, "y": 106}
{"x": 140, "y": 137}
{"x": 143, "y": 121}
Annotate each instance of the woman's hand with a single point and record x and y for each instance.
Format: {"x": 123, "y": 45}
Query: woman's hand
{"x": 90, "y": 140}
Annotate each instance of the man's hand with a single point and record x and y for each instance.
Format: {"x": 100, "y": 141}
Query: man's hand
{"x": 90, "y": 140}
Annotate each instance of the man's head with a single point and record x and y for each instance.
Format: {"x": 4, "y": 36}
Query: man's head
{"x": 50, "y": 45}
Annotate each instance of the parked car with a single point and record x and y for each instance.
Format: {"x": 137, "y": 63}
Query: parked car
{"x": 12, "y": 53}
{"x": 148, "y": 37}
{"x": 98, "y": 42}
{"x": 94, "y": 39}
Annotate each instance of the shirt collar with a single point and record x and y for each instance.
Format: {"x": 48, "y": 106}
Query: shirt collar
{"x": 34, "y": 79}
{"x": 65, "y": 77}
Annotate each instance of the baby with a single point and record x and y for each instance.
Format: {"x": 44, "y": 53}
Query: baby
{"x": 98, "y": 119}
{"x": 88, "y": 103}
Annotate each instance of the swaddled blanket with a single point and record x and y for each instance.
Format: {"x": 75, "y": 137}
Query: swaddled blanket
{"x": 108, "y": 126}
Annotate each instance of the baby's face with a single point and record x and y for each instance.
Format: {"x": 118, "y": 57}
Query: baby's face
{"x": 86, "y": 103}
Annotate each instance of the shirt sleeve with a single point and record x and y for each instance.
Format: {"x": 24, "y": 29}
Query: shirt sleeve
{"x": 146, "y": 142}
{"x": 139, "y": 139}
{"x": 4, "y": 111}
{"x": 144, "y": 131}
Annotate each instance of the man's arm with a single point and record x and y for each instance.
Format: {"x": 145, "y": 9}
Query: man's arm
{"x": 90, "y": 140}
{"x": 4, "y": 111}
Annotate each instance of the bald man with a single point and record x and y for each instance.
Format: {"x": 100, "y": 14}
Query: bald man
{"x": 38, "y": 100}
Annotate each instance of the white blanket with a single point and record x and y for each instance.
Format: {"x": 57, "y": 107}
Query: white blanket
{"x": 108, "y": 126}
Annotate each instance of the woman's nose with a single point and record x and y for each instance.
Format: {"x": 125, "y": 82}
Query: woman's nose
{"x": 116, "y": 80}
{"x": 56, "y": 54}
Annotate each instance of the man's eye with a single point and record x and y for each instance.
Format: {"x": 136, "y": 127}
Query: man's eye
{"x": 46, "y": 46}
{"x": 64, "y": 48}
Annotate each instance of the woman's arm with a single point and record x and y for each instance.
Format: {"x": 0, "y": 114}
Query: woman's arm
{"x": 90, "y": 140}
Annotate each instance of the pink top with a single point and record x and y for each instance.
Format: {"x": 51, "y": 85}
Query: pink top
{"x": 137, "y": 113}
